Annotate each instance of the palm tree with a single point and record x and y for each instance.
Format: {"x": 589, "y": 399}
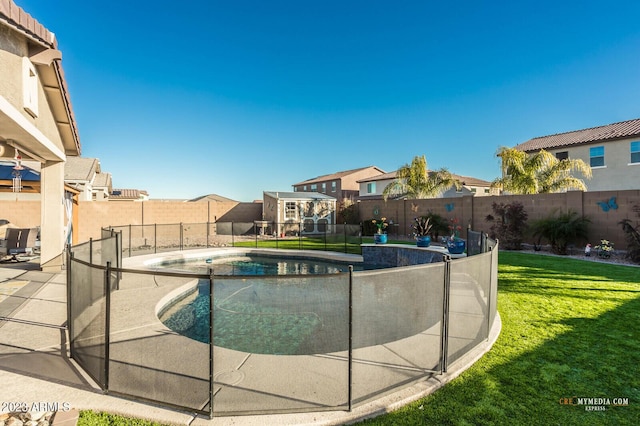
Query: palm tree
{"x": 414, "y": 181}
{"x": 538, "y": 173}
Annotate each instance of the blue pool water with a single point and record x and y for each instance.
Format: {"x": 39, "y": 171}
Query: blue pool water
{"x": 262, "y": 265}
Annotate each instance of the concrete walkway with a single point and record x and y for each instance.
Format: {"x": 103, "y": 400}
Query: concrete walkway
{"x": 35, "y": 369}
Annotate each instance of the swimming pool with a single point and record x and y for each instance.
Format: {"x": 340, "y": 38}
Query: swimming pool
{"x": 260, "y": 265}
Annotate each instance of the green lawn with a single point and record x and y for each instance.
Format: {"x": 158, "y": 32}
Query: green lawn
{"x": 570, "y": 328}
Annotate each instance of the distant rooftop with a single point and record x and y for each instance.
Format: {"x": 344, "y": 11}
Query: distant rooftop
{"x": 298, "y": 195}
{"x": 610, "y": 132}
{"x": 335, "y": 176}
{"x": 211, "y": 197}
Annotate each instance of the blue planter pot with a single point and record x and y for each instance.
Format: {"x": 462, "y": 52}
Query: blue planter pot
{"x": 380, "y": 238}
{"x": 423, "y": 241}
{"x": 456, "y": 246}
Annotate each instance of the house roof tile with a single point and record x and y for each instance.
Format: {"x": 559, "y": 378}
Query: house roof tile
{"x": 610, "y": 132}
{"x": 127, "y": 194}
{"x": 79, "y": 168}
{"x": 336, "y": 176}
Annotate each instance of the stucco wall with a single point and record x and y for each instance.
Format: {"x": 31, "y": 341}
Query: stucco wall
{"x": 13, "y": 47}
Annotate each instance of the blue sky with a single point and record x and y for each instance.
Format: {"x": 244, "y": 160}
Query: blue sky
{"x": 237, "y": 97}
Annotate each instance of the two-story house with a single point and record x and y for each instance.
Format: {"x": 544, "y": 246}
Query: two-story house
{"x": 612, "y": 151}
{"x": 36, "y": 119}
{"x": 340, "y": 185}
{"x": 373, "y": 187}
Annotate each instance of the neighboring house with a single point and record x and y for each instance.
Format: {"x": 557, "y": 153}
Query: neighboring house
{"x": 212, "y": 197}
{"x": 612, "y": 151}
{"x": 102, "y": 187}
{"x": 36, "y": 119}
{"x": 294, "y": 212}
{"x": 341, "y": 185}
{"x": 85, "y": 175}
{"x": 129, "y": 195}
{"x": 372, "y": 188}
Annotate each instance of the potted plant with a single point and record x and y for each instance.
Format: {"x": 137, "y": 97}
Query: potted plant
{"x": 380, "y": 237}
{"x": 421, "y": 228}
{"x": 455, "y": 244}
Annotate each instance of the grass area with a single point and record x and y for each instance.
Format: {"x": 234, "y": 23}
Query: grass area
{"x": 91, "y": 418}
{"x": 571, "y": 328}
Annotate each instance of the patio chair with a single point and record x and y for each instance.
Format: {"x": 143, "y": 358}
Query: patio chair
{"x": 18, "y": 241}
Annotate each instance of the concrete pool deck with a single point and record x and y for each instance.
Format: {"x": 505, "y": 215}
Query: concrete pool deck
{"x": 35, "y": 367}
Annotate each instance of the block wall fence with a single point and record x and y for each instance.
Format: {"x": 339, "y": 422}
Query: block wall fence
{"x": 605, "y": 209}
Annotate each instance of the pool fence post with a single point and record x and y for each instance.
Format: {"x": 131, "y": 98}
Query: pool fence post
{"x": 70, "y": 299}
{"x": 107, "y": 324}
{"x": 181, "y": 236}
{"x": 211, "y": 346}
{"x": 233, "y": 240}
{"x": 350, "y": 373}
{"x": 444, "y": 328}
{"x": 344, "y": 233}
{"x": 489, "y": 301}
{"x": 255, "y": 231}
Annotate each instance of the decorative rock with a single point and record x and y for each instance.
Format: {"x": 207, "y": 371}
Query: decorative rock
{"x": 30, "y": 418}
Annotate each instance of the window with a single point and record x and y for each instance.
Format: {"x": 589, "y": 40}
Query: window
{"x": 486, "y": 190}
{"x": 290, "y": 210}
{"x": 473, "y": 190}
{"x": 29, "y": 87}
{"x": 371, "y": 188}
{"x": 635, "y": 152}
{"x": 324, "y": 187}
{"x": 333, "y": 186}
{"x": 596, "y": 156}
{"x": 314, "y": 187}
{"x": 563, "y": 155}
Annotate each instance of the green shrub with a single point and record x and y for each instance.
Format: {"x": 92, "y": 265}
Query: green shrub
{"x": 561, "y": 230}
{"x": 509, "y": 224}
{"x": 439, "y": 225}
{"x": 633, "y": 240}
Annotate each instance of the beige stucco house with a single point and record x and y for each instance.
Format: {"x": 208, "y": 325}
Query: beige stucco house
{"x": 36, "y": 118}
{"x": 612, "y": 151}
{"x": 371, "y": 188}
{"x": 86, "y": 176}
